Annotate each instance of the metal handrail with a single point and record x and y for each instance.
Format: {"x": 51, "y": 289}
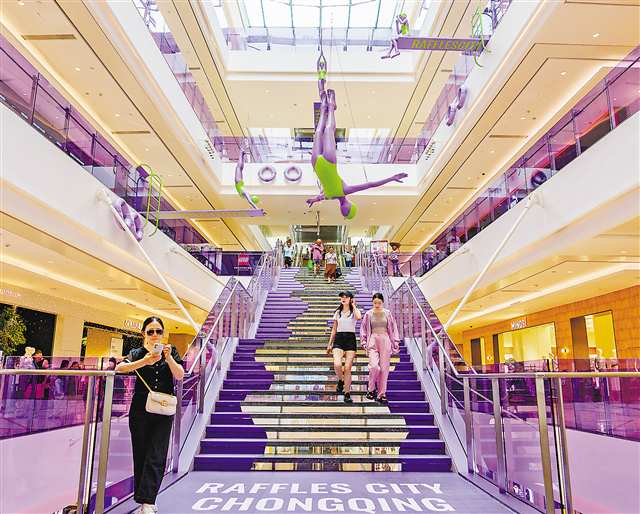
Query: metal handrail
{"x": 435, "y": 334}
{"x": 204, "y": 343}
{"x": 72, "y": 372}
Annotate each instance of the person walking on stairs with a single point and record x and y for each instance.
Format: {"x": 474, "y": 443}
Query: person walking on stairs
{"x": 342, "y": 342}
{"x": 331, "y": 265}
{"x": 379, "y": 337}
{"x": 317, "y": 250}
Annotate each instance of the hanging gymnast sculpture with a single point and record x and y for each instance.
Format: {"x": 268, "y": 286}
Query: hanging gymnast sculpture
{"x": 402, "y": 29}
{"x": 323, "y": 154}
{"x": 239, "y": 180}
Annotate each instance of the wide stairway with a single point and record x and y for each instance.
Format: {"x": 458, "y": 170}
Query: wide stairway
{"x": 278, "y": 408}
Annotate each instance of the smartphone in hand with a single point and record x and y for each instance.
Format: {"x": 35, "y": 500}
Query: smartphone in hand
{"x": 157, "y": 348}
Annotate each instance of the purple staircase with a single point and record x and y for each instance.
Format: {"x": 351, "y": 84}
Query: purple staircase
{"x": 278, "y": 408}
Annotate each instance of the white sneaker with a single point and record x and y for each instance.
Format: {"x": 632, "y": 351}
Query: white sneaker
{"x": 148, "y": 509}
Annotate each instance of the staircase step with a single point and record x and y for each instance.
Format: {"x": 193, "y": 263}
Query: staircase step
{"x": 319, "y": 406}
{"x": 284, "y": 385}
{"x": 266, "y": 418}
{"x": 324, "y": 431}
{"x": 306, "y": 447}
{"x": 258, "y": 395}
{"x": 284, "y": 375}
{"x": 243, "y": 462}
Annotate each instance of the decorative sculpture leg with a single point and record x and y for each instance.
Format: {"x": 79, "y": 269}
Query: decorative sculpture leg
{"x": 252, "y": 199}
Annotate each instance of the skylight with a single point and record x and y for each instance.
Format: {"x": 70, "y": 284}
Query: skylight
{"x": 309, "y": 13}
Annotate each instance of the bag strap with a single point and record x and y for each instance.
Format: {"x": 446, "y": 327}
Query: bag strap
{"x": 144, "y": 381}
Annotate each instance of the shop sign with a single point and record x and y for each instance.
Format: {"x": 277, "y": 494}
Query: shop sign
{"x": 243, "y": 260}
{"x": 10, "y": 292}
{"x": 132, "y": 324}
{"x": 519, "y": 324}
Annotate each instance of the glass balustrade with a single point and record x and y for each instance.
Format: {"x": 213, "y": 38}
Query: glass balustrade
{"x": 526, "y": 430}
{"x": 609, "y": 103}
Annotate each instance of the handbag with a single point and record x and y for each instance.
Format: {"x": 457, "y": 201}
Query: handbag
{"x": 159, "y": 403}
{"x": 338, "y": 272}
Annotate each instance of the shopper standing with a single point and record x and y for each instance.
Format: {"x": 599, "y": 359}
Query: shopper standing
{"x": 342, "y": 342}
{"x": 317, "y": 249}
{"x": 331, "y": 265}
{"x": 379, "y": 337}
{"x": 348, "y": 258}
{"x": 156, "y": 366}
{"x": 287, "y": 251}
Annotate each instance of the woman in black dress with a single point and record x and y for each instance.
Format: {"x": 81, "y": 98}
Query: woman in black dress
{"x": 150, "y": 433}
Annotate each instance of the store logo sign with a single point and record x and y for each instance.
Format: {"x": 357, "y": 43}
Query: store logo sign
{"x": 10, "y": 292}
{"x": 133, "y": 324}
{"x": 519, "y": 324}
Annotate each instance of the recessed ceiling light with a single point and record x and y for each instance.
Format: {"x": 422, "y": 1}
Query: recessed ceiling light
{"x": 77, "y": 69}
{"x": 569, "y": 271}
{"x": 523, "y": 117}
{"x": 623, "y": 251}
{"x": 146, "y": 149}
{"x": 117, "y": 115}
{"x": 492, "y": 151}
{"x": 20, "y": 2}
{"x": 563, "y": 73}
{"x": 50, "y": 262}
{"x": 267, "y": 91}
{"x": 597, "y": 34}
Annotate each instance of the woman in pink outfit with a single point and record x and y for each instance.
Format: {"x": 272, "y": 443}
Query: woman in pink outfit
{"x": 379, "y": 337}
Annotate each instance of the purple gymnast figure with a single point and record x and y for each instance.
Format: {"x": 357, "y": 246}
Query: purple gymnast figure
{"x": 252, "y": 199}
{"x": 323, "y": 154}
{"x": 402, "y": 29}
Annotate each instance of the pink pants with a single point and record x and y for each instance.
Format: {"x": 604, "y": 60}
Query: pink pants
{"x": 379, "y": 351}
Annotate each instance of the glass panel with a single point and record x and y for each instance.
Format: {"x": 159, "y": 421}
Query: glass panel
{"x": 16, "y": 85}
{"x": 563, "y": 146}
{"x": 538, "y": 167}
{"x": 31, "y": 407}
{"x": 625, "y": 94}
{"x": 79, "y": 143}
{"x": 522, "y": 441}
{"x": 49, "y": 117}
{"x": 103, "y": 166}
{"x": 306, "y": 16}
{"x": 593, "y": 122}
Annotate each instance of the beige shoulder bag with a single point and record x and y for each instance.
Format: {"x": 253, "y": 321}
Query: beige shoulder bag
{"x": 159, "y": 403}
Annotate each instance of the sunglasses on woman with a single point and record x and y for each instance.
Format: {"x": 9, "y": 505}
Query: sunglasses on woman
{"x": 152, "y": 331}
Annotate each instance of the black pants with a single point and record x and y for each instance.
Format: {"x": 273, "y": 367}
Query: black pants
{"x": 150, "y": 434}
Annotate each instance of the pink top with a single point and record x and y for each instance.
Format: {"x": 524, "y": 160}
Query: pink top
{"x": 316, "y": 251}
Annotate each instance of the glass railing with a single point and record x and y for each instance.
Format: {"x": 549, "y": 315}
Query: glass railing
{"x": 531, "y": 433}
{"x": 488, "y": 21}
{"x": 166, "y": 43}
{"x": 80, "y": 416}
{"x": 26, "y": 92}
{"x": 612, "y": 101}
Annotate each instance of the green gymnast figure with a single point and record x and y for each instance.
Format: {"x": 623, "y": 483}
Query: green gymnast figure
{"x": 323, "y": 154}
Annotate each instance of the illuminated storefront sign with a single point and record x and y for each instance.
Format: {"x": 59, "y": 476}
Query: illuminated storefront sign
{"x": 466, "y": 45}
{"x": 519, "y": 324}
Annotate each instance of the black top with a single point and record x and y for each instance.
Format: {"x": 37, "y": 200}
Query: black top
{"x": 158, "y": 376}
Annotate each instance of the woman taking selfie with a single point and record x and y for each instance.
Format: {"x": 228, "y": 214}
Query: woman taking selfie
{"x": 156, "y": 366}
{"x": 342, "y": 342}
{"x": 379, "y": 337}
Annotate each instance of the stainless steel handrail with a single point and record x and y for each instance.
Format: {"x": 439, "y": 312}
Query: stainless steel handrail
{"x": 84, "y": 482}
{"x": 501, "y": 478}
{"x": 206, "y": 339}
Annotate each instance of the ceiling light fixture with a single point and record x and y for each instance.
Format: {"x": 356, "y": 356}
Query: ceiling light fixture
{"x": 492, "y": 151}
{"x": 117, "y": 115}
{"x": 21, "y": 3}
{"x": 77, "y": 69}
{"x": 146, "y": 149}
{"x": 523, "y": 117}
{"x": 597, "y": 34}
{"x": 563, "y": 73}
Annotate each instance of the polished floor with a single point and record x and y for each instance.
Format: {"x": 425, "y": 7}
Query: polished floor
{"x": 326, "y": 492}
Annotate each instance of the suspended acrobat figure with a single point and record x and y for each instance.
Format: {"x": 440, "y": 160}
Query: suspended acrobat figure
{"x": 402, "y": 29}
{"x": 252, "y": 199}
{"x": 323, "y": 154}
